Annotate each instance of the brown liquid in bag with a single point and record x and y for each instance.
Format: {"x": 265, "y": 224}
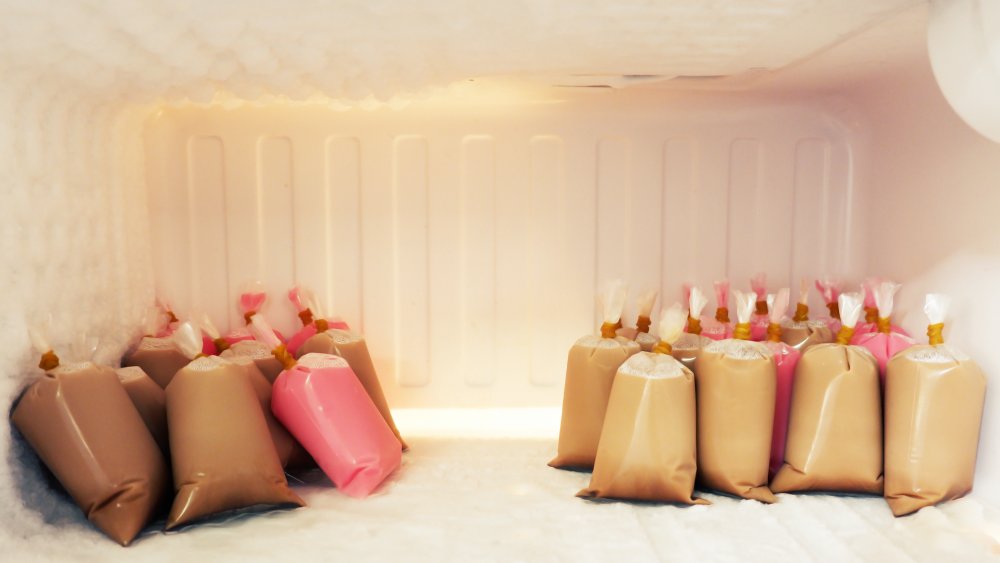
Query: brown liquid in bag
{"x": 353, "y": 348}
{"x": 933, "y": 411}
{"x": 736, "y": 394}
{"x": 261, "y": 355}
{"x": 590, "y": 371}
{"x": 82, "y": 424}
{"x": 223, "y": 455}
{"x": 159, "y": 358}
{"x": 835, "y": 423}
{"x": 151, "y": 402}
{"x": 647, "y": 447}
{"x": 687, "y": 348}
{"x": 806, "y": 334}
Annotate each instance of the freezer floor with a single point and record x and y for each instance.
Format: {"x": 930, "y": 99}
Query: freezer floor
{"x": 496, "y": 500}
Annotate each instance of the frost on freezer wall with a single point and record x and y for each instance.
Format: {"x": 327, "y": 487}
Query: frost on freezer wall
{"x": 74, "y": 244}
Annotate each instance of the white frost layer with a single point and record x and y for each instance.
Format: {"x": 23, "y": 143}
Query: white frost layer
{"x": 940, "y": 354}
{"x": 252, "y": 349}
{"x": 595, "y": 341}
{"x": 651, "y": 366}
{"x": 317, "y": 361}
{"x": 496, "y": 500}
{"x": 740, "y": 349}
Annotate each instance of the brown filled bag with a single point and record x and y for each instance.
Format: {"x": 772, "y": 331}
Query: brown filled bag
{"x": 644, "y": 307}
{"x": 801, "y": 333}
{"x": 352, "y": 347}
{"x": 82, "y": 424}
{"x": 290, "y": 452}
{"x": 688, "y": 345}
{"x": 268, "y": 365}
{"x": 736, "y": 393}
{"x": 159, "y": 358}
{"x": 590, "y": 371}
{"x": 835, "y": 420}
{"x": 933, "y": 411}
{"x": 223, "y": 455}
{"x": 647, "y": 447}
{"x": 150, "y": 400}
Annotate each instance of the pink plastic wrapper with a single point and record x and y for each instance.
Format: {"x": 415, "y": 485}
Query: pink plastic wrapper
{"x": 251, "y": 302}
{"x": 322, "y": 403}
{"x": 719, "y": 327}
{"x": 308, "y": 309}
{"x": 760, "y": 319}
{"x": 884, "y": 342}
{"x": 873, "y": 311}
{"x": 785, "y": 360}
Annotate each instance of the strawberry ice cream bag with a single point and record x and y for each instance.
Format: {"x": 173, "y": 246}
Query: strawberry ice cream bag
{"x": 873, "y": 314}
{"x": 251, "y": 302}
{"x": 884, "y": 343}
{"x": 785, "y": 359}
{"x": 830, "y": 290}
{"x": 760, "y": 320}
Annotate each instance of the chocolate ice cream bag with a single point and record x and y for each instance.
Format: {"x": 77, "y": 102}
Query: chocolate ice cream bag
{"x": 647, "y": 448}
{"x": 800, "y": 332}
{"x": 829, "y": 289}
{"x": 719, "y": 327}
{"x": 736, "y": 394}
{"x": 590, "y": 371}
{"x": 644, "y": 307}
{"x": 933, "y": 411}
{"x": 323, "y": 404}
{"x": 150, "y": 400}
{"x": 760, "y": 319}
{"x": 158, "y": 356}
{"x": 785, "y": 360}
{"x": 313, "y": 321}
{"x": 687, "y": 347}
{"x": 252, "y": 300}
{"x": 223, "y": 455}
{"x": 884, "y": 343}
{"x": 80, "y": 421}
{"x": 353, "y": 348}
{"x": 835, "y": 422}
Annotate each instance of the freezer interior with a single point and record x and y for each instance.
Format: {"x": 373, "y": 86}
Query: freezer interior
{"x": 457, "y": 182}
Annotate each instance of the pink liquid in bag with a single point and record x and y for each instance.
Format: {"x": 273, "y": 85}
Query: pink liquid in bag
{"x": 758, "y": 328}
{"x": 785, "y": 360}
{"x": 308, "y": 331}
{"x": 715, "y": 330}
{"x": 322, "y": 403}
{"x": 883, "y": 346}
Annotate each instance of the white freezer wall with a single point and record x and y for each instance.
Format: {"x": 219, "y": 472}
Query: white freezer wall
{"x": 466, "y": 236}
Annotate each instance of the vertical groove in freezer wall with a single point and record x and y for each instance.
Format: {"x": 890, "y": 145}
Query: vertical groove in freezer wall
{"x": 277, "y": 235}
{"x": 477, "y": 216}
{"x": 343, "y": 278}
{"x": 614, "y": 210}
{"x": 242, "y": 221}
{"x": 680, "y": 217}
{"x": 207, "y": 218}
{"x": 812, "y": 209}
{"x": 411, "y": 287}
{"x": 743, "y": 249}
{"x": 545, "y": 244}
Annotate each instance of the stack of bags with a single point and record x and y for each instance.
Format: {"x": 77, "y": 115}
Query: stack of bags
{"x": 867, "y": 411}
{"x": 221, "y": 418}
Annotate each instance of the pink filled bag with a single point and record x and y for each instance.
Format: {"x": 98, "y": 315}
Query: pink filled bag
{"x": 760, "y": 320}
{"x": 830, "y": 290}
{"x": 885, "y": 342}
{"x": 323, "y": 404}
{"x": 720, "y": 327}
{"x": 872, "y": 311}
{"x": 307, "y": 307}
{"x": 785, "y": 360}
{"x": 251, "y": 302}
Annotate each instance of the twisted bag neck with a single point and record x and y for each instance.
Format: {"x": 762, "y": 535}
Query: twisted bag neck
{"x": 286, "y": 359}
{"x": 642, "y": 323}
{"x": 722, "y": 314}
{"x": 742, "y": 331}
{"x": 834, "y": 309}
{"x": 618, "y": 324}
{"x": 172, "y": 316}
{"x": 761, "y": 307}
{"x": 306, "y": 316}
{"x": 801, "y": 313}
{"x": 694, "y": 325}
{"x": 49, "y": 361}
{"x": 871, "y": 314}
{"x": 935, "y": 334}
{"x": 845, "y": 335}
{"x": 322, "y": 325}
{"x": 220, "y": 344}
{"x": 247, "y": 316}
{"x": 773, "y": 332}
{"x": 884, "y": 326}
{"x": 608, "y": 330}
{"x": 663, "y": 348}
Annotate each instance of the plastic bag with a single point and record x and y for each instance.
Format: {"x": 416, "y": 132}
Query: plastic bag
{"x": 800, "y": 332}
{"x": 883, "y": 343}
{"x": 934, "y": 398}
{"x": 312, "y": 317}
{"x": 644, "y": 305}
{"x": 830, "y": 290}
{"x": 785, "y": 360}
{"x": 688, "y": 345}
{"x": 760, "y": 319}
{"x": 590, "y": 371}
{"x": 719, "y": 327}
